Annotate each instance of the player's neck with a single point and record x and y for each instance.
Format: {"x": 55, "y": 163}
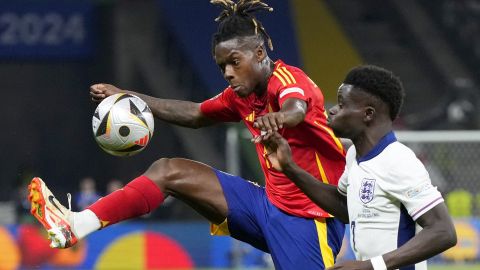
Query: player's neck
{"x": 370, "y": 138}
{"x": 267, "y": 70}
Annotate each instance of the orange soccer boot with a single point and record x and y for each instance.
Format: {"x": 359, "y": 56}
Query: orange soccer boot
{"x": 55, "y": 217}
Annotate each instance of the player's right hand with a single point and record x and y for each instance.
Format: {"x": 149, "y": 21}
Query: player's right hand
{"x": 100, "y": 91}
{"x": 267, "y": 124}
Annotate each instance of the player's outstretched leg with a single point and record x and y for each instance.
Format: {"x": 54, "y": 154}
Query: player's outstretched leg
{"x": 65, "y": 227}
{"x": 193, "y": 182}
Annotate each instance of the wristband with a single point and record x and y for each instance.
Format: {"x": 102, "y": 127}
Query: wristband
{"x": 378, "y": 263}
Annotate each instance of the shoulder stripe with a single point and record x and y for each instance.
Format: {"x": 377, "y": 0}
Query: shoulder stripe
{"x": 289, "y": 74}
{"x": 280, "y": 78}
{"x": 292, "y": 90}
{"x": 280, "y": 70}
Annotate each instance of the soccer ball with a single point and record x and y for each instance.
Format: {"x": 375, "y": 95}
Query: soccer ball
{"x": 122, "y": 124}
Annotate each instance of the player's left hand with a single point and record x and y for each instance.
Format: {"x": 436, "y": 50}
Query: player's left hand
{"x": 352, "y": 265}
{"x": 278, "y": 151}
{"x": 268, "y": 124}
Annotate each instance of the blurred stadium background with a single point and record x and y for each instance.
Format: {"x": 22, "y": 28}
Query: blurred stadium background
{"x": 51, "y": 51}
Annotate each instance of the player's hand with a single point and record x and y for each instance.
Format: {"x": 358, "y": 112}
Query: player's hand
{"x": 268, "y": 124}
{"x": 352, "y": 265}
{"x": 102, "y": 90}
{"x": 278, "y": 151}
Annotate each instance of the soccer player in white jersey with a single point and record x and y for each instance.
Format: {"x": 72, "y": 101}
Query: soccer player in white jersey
{"x": 385, "y": 191}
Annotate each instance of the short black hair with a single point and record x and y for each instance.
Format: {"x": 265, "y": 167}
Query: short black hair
{"x": 237, "y": 20}
{"x": 381, "y": 83}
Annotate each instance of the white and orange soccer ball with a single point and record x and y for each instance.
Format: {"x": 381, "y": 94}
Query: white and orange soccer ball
{"x": 122, "y": 124}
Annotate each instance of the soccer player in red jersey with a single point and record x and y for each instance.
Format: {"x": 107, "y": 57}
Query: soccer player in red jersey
{"x": 267, "y": 96}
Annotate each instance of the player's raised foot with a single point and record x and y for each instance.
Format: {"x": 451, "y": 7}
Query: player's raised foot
{"x": 55, "y": 217}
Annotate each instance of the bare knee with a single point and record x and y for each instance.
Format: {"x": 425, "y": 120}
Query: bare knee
{"x": 165, "y": 172}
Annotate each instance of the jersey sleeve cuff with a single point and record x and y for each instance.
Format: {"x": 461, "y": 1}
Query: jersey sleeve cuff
{"x": 341, "y": 192}
{"x": 415, "y": 215}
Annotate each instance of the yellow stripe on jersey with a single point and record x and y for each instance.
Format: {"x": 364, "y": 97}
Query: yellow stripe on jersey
{"x": 280, "y": 78}
{"x": 325, "y": 249}
{"x": 250, "y": 117}
{"x": 284, "y": 75}
{"x": 329, "y": 131}
{"x": 289, "y": 74}
{"x": 265, "y": 156}
{"x": 104, "y": 223}
{"x": 320, "y": 168}
{"x": 220, "y": 229}
{"x": 270, "y": 108}
{"x": 323, "y": 175}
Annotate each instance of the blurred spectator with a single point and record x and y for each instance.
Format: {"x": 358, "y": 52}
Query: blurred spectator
{"x": 22, "y": 205}
{"x": 87, "y": 194}
{"x": 113, "y": 185}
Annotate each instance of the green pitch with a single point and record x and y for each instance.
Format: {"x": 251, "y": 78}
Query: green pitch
{"x": 454, "y": 267}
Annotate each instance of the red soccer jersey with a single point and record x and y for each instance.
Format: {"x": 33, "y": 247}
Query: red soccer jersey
{"x": 314, "y": 146}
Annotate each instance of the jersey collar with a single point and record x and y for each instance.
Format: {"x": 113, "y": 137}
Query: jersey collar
{"x": 382, "y": 144}
{"x": 278, "y": 64}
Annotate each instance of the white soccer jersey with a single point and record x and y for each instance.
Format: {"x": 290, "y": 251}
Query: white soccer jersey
{"x": 387, "y": 190}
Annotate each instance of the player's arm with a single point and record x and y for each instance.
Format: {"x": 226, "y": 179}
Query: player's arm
{"x": 324, "y": 195}
{"x": 183, "y": 113}
{"x": 438, "y": 235}
{"x": 291, "y": 114}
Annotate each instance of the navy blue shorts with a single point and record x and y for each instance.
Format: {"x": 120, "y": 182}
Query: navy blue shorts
{"x": 293, "y": 242}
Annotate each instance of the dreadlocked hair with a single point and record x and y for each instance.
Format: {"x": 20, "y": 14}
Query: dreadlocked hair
{"x": 237, "y": 20}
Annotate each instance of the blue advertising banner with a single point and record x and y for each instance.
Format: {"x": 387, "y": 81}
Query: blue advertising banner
{"x": 174, "y": 245}
{"x": 45, "y": 29}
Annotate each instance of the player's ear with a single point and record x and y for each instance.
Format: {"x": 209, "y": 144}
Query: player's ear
{"x": 260, "y": 53}
{"x": 369, "y": 113}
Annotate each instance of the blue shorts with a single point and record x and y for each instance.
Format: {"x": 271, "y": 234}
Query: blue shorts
{"x": 294, "y": 242}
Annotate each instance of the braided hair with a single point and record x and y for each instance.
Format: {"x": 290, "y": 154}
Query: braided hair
{"x": 237, "y": 20}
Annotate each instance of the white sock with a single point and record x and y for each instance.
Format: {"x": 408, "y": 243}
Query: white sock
{"x": 84, "y": 223}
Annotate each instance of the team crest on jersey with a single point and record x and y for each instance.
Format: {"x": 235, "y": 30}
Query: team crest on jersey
{"x": 367, "y": 190}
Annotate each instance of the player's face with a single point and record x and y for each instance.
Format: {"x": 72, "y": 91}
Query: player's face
{"x": 347, "y": 117}
{"x": 240, "y": 65}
